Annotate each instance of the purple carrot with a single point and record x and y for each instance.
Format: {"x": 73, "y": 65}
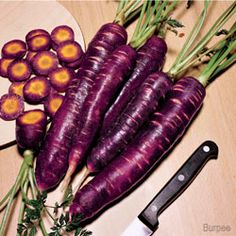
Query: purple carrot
{"x": 150, "y": 58}
{"x": 162, "y": 131}
{"x": 52, "y": 161}
{"x": 132, "y": 118}
{"x": 113, "y": 73}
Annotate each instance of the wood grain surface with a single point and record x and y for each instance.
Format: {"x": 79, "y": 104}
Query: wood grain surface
{"x": 211, "y": 197}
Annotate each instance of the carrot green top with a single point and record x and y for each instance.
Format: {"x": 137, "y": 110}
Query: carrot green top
{"x": 220, "y": 50}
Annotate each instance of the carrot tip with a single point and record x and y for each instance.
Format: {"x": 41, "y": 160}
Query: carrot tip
{"x": 67, "y": 178}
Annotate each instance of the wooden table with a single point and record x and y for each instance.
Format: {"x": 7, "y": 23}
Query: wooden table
{"x": 210, "y": 200}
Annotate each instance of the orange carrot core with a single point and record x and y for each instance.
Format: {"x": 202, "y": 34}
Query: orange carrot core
{"x": 62, "y": 76}
{"x": 39, "y": 41}
{"x": 55, "y": 104}
{"x": 5, "y": 64}
{"x": 13, "y": 47}
{"x": 69, "y": 51}
{"x": 45, "y": 62}
{"x": 19, "y": 69}
{"x": 37, "y": 87}
{"x": 32, "y": 117}
{"x": 62, "y": 35}
{"x": 10, "y": 106}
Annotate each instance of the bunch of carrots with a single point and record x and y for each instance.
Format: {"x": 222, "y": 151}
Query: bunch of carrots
{"x": 121, "y": 113}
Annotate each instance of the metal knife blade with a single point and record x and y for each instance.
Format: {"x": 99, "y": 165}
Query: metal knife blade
{"x": 137, "y": 228}
{"x": 147, "y": 221}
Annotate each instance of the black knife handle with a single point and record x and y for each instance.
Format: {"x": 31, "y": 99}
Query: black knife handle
{"x": 178, "y": 183}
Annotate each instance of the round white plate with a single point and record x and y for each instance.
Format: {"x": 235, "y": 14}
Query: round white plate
{"x": 16, "y": 20}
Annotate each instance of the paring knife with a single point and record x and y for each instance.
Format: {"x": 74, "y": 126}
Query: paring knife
{"x": 147, "y": 221}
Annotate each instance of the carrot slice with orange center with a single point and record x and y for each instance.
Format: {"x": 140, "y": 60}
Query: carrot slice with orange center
{"x": 11, "y": 106}
{"x": 19, "y": 71}
{"x": 4, "y": 64}
{"x": 36, "y": 32}
{"x": 60, "y": 34}
{"x": 69, "y": 52}
{"x": 44, "y": 62}
{"x": 39, "y": 43}
{"x": 36, "y": 89}
{"x": 14, "y": 49}
{"x": 60, "y": 78}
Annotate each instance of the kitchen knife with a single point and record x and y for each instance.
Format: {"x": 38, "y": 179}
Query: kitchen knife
{"x": 147, "y": 221}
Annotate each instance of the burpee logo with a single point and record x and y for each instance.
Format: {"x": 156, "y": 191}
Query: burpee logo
{"x": 216, "y": 228}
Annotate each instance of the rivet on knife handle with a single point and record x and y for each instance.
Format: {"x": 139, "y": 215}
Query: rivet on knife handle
{"x": 178, "y": 183}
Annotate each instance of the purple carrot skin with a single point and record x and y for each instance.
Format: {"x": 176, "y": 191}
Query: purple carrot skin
{"x": 36, "y": 32}
{"x": 73, "y": 65}
{"x": 150, "y": 58}
{"x": 129, "y": 122}
{"x": 162, "y": 131}
{"x": 52, "y": 161}
{"x": 30, "y": 129}
{"x": 113, "y": 73}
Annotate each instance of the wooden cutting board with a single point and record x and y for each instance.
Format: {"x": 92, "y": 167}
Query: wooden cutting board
{"x": 211, "y": 198}
{"x": 16, "y": 20}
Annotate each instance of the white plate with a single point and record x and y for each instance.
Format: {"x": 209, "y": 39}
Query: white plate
{"x": 16, "y": 20}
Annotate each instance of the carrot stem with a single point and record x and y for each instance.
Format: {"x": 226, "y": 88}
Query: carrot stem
{"x": 22, "y": 207}
{"x": 28, "y": 157}
{"x": 84, "y": 176}
{"x": 34, "y": 193}
{"x": 215, "y": 61}
{"x": 187, "y": 58}
{"x": 191, "y": 38}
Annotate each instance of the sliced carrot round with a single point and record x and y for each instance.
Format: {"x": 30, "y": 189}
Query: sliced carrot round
{"x": 11, "y": 106}
{"x": 44, "y": 62}
{"x": 60, "y": 78}
{"x": 14, "y": 49}
{"x": 4, "y": 64}
{"x": 53, "y": 103}
{"x": 36, "y": 32}
{"x": 17, "y": 88}
{"x": 19, "y": 70}
{"x": 69, "y": 52}
{"x": 39, "y": 43}
{"x": 36, "y": 89}
{"x": 60, "y": 34}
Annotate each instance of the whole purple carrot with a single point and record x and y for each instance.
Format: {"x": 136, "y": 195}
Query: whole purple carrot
{"x": 165, "y": 127}
{"x": 52, "y": 161}
{"x": 114, "y": 72}
{"x": 131, "y": 119}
